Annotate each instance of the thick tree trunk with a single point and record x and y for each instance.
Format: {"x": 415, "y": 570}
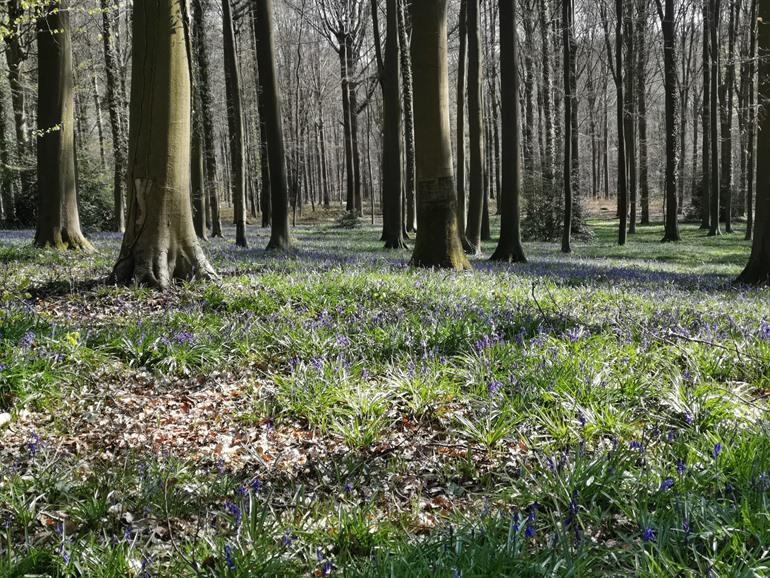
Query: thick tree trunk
{"x": 672, "y": 118}
{"x": 438, "y": 239}
{"x": 207, "y": 114}
{"x": 630, "y": 115}
{"x": 475, "y": 129}
{"x": 160, "y": 244}
{"x": 279, "y": 195}
{"x": 58, "y": 223}
{"x": 235, "y": 126}
{"x": 116, "y": 111}
{"x": 757, "y": 270}
{"x": 509, "y": 248}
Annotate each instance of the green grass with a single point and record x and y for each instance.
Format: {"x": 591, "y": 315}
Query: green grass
{"x": 603, "y": 413}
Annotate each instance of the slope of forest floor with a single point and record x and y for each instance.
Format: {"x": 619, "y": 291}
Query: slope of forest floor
{"x": 335, "y": 412}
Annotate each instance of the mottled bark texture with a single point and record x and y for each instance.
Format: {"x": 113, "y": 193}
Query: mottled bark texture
{"x": 160, "y": 244}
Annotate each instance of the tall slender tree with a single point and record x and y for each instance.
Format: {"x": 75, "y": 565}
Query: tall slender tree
{"x": 667, "y": 16}
{"x": 269, "y": 92}
{"x": 757, "y": 270}
{"x": 475, "y": 128}
{"x": 235, "y": 125}
{"x": 567, "y": 23}
{"x": 714, "y": 74}
{"x": 509, "y": 246}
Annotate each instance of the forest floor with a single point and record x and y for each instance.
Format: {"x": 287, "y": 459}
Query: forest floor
{"x": 335, "y": 412}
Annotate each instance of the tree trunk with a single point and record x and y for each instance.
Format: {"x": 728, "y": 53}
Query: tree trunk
{"x": 751, "y": 165}
{"x": 713, "y": 21}
{"x": 547, "y": 159}
{"x": 58, "y": 223}
{"x": 757, "y": 270}
{"x": 509, "y": 248}
{"x": 672, "y": 118}
{"x": 475, "y": 129}
{"x": 160, "y": 242}
{"x": 392, "y": 177}
{"x": 726, "y": 119}
{"x": 630, "y": 115}
{"x": 406, "y": 73}
{"x": 279, "y": 196}
{"x": 235, "y": 126}
{"x": 461, "y": 82}
{"x": 207, "y": 115}
{"x": 641, "y": 95}
{"x": 706, "y": 118}
{"x": 567, "y": 16}
{"x": 7, "y": 196}
{"x": 438, "y": 239}
{"x": 116, "y": 111}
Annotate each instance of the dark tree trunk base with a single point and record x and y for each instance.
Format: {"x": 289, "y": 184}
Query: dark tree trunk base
{"x": 508, "y": 255}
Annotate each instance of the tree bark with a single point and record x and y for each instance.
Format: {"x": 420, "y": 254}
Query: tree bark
{"x": 567, "y": 17}
{"x": 714, "y": 193}
{"x": 438, "y": 239}
{"x": 706, "y": 119}
{"x": 509, "y": 248}
{"x": 58, "y": 222}
{"x": 461, "y": 86}
{"x": 667, "y": 17}
{"x": 408, "y": 90}
{"x": 475, "y": 129}
{"x": 757, "y": 270}
{"x": 160, "y": 244}
{"x": 279, "y": 195}
{"x": 235, "y": 126}
{"x": 207, "y": 114}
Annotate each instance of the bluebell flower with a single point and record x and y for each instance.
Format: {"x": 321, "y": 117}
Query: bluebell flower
{"x": 256, "y": 486}
{"x": 327, "y": 568}
{"x": 494, "y": 387}
{"x": 680, "y": 467}
{"x": 648, "y": 535}
{"x": 34, "y": 445}
{"x": 635, "y": 445}
{"x": 235, "y": 512}
{"x": 666, "y": 484}
{"x": 184, "y": 338}
{"x": 286, "y": 540}
{"x": 229, "y": 558}
{"x": 717, "y": 450}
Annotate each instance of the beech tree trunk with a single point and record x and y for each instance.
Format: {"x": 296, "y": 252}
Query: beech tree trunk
{"x": 667, "y": 17}
{"x": 475, "y": 129}
{"x": 116, "y": 111}
{"x": 207, "y": 114}
{"x": 757, "y": 270}
{"x": 706, "y": 116}
{"x": 509, "y": 248}
{"x": 438, "y": 239}
{"x": 235, "y": 126}
{"x": 461, "y": 82}
{"x": 160, "y": 244}
{"x": 58, "y": 222}
{"x": 567, "y": 17}
{"x": 279, "y": 190}
{"x": 641, "y": 95}
{"x": 408, "y": 90}
{"x": 392, "y": 176}
{"x": 714, "y": 193}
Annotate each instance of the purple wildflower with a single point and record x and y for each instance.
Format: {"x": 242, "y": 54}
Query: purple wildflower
{"x": 716, "y": 451}
{"x": 494, "y": 387}
{"x": 286, "y": 540}
{"x": 235, "y": 512}
{"x": 666, "y": 484}
{"x": 229, "y": 558}
{"x": 680, "y": 467}
{"x": 648, "y": 535}
{"x": 327, "y": 568}
{"x": 256, "y": 485}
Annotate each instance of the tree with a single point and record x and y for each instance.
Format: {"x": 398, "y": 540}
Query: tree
{"x": 757, "y": 270}
{"x": 438, "y": 239}
{"x": 568, "y": 20}
{"x": 713, "y": 63}
{"x": 234, "y": 125}
{"x": 207, "y": 115}
{"x": 672, "y": 117}
{"x": 116, "y": 110}
{"x": 706, "y": 120}
{"x": 509, "y": 247}
{"x": 408, "y": 92}
{"x": 475, "y": 129}
{"x": 271, "y": 100}
{"x": 392, "y": 171}
{"x": 58, "y": 222}
{"x": 160, "y": 244}
{"x": 460, "y": 132}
